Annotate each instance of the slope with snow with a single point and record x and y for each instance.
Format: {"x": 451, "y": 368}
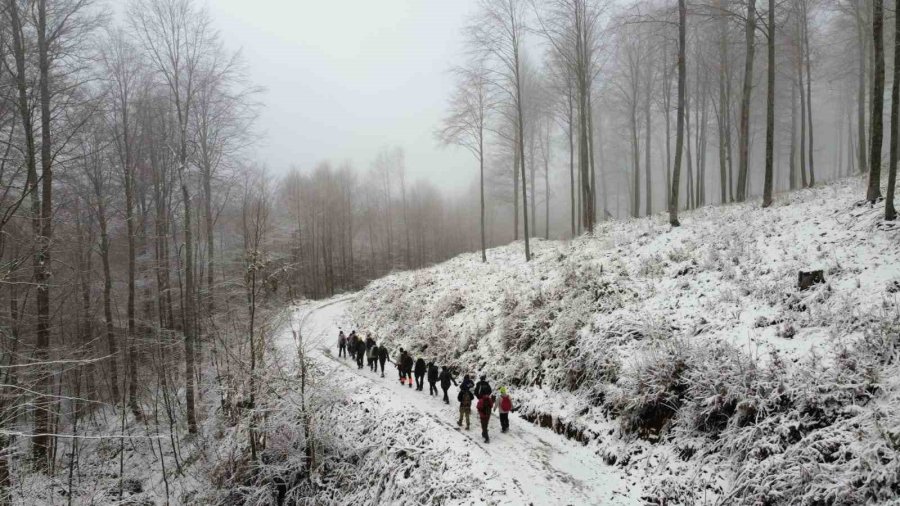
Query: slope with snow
{"x": 525, "y": 466}
{"x": 696, "y": 337}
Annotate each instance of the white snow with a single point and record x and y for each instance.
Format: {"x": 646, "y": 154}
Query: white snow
{"x": 527, "y": 465}
{"x": 705, "y": 321}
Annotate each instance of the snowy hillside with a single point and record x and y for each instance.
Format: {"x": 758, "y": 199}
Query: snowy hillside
{"x": 690, "y": 354}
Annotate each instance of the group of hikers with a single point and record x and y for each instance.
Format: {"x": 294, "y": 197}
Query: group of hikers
{"x": 480, "y": 393}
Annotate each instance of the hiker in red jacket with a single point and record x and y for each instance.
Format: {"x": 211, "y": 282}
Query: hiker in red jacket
{"x": 504, "y": 406}
{"x": 484, "y": 406}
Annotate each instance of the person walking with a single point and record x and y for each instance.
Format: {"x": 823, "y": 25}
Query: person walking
{"x": 351, "y": 345}
{"x": 399, "y": 365}
{"x": 360, "y": 353}
{"x": 342, "y": 345}
{"x": 446, "y": 378}
{"x": 484, "y": 407}
{"x": 465, "y": 406}
{"x": 482, "y": 388}
{"x": 504, "y": 406}
{"x": 467, "y": 383}
{"x": 420, "y": 370}
{"x": 372, "y": 357}
{"x": 382, "y": 356}
{"x": 407, "y": 362}
{"x": 432, "y": 378}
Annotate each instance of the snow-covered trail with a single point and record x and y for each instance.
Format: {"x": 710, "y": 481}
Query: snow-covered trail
{"x": 528, "y": 465}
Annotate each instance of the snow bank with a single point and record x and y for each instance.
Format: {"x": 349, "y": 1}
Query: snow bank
{"x": 697, "y": 338}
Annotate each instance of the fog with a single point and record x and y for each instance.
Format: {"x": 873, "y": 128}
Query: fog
{"x": 345, "y": 79}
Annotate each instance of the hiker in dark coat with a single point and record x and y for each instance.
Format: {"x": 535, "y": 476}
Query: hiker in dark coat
{"x": 382, "y": 357}
{"x": 360, "y": 353}
{"x": 370, "y": 342}
{"x": 372, "y": 357}
{"x": 351, "y": 345}
{"x": 484, "y": 407}
{"x": 406, "y": 361}
{"x": 432, "y": 378}
{"x": 465, "y": 406}
{"x": 421, "y": 368}
{"x": 467, "y": 383}
{"x": 342, "y": 345}
{"x": 482, "y": 388}
{"x": 446, "y": 378}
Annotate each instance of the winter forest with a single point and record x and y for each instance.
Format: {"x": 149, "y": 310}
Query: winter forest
{"x": 670, "y": 273}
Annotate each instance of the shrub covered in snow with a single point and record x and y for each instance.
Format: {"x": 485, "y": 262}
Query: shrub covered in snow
{"x": 696, "y": 339}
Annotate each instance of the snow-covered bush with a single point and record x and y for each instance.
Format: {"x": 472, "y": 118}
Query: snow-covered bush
{"x": 695, "y": 337}
{"x": 652, "y": 388}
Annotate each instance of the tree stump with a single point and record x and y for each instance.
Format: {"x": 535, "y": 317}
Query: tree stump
{"x": 805, "y": 280}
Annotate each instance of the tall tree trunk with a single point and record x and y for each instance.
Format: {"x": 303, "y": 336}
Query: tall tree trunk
{"x": 792, "y": 176}
{"x": 571, "y": 122}
{"x": 890, "y": 213}
{"x": 724, "y": 108}
{"x": 128, "y": 177}
{"x": 861, "y": 91}
{"x": 636, "y": 161}
{"x": 188, "y": 301}
{"x": 809, "y": 109}
{"x": 592, "y": 191}
{"x": 515, "y": 187}
{"x": 210, "y": 238}
{"x": 689, "y": 180}
{"x": 679, "y": 128}
{"x": 111, "y": 342}
{"x": 522, "y": 160}
{"x": 770, "y": 111}
{"x": 744, "y": 148}
{"x": 481, "y": 188}
{"x": 41, "y": 442}
{"x": 647, "y": 134}
{"x": 873, "y": 192}
{"x": 547, "y": 193}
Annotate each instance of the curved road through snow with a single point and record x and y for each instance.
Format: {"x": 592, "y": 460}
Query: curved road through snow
{"x": 527, "y": 465}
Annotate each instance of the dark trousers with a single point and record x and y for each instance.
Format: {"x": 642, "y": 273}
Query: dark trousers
{"x": 432, "y": 388}
{"x": 382, "y": 361}
{"x": 359, "y": 360}
{"x": 373, "y": 364}
{"x": 504, "y": 422}
{"x": 342, "y": 351}
{"x": 446, "y": 399}
{"x": 484, "y": 426}
{"x": 420, "y": 382}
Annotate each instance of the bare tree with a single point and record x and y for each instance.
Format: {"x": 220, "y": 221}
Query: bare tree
{"x": 497, "y": 34}
{"x": 770, "y": 109}
{"x": 466, "y": 122}
{"x": 747, "y": 90}
{"x": 679, "y": 129}
{"x": 177, "y": 37}
{"x": 890, "y": 213}
{"x": 873, "y": 192}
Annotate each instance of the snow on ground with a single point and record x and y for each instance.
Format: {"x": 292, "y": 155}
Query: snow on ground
{"x": 528, "y": 465}
{"x": 697, "y": 337}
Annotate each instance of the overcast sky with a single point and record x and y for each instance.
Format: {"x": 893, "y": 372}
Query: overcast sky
{"x": 345, "y": 78}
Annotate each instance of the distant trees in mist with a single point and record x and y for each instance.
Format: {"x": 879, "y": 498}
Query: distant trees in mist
{"x": 606, "y": 73}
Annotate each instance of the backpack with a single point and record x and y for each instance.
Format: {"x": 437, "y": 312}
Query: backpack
{"x": 505, "y": 404}
{"x": 484, "y": 406}
{"x": 465, "y": 398}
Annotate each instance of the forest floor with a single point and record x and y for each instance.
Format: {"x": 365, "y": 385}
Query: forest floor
{"x": 527, "y": 465}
